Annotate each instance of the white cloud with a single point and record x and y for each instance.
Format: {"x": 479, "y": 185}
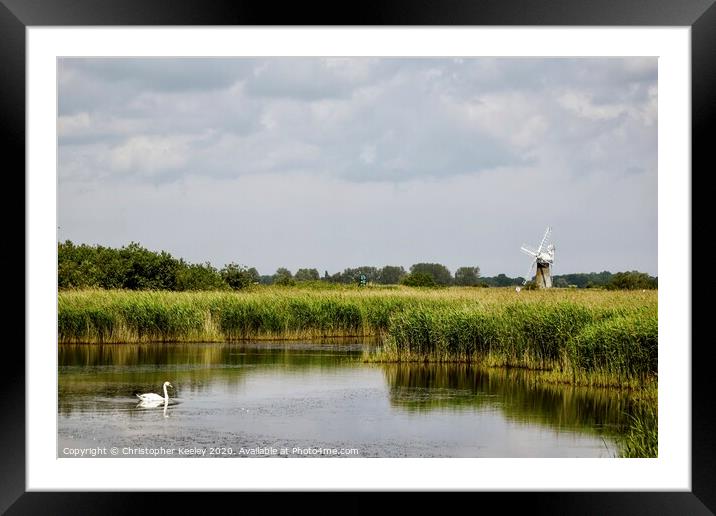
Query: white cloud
{"x": 70, "y": 125}
{"x": 367, "y": 154}
{"x": 150, "y": 154}
{"x": 336, "y": 162}
{"x": 509, "y": 116}
{"x": 582, "y": 105}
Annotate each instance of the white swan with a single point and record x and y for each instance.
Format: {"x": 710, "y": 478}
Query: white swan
{"x": 150, "y": 397}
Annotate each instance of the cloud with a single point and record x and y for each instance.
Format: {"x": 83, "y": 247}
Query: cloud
{"x": 269, "y": 222}
{"x": 150, "y": 155}
{"x": 472, "y": 149}
{"x": 158, "y": 74}
{"x": 310, "y": 79}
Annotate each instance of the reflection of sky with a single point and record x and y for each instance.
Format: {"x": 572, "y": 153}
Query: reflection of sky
{"x": 323, "y": 396}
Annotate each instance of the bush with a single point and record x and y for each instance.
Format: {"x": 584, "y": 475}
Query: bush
{"x": 467, "y": 276}
{"x": 199, "y": 277}
{"x": 633, "y": 280}
{"x": 391, "y": 275}
{"x": 132, "y": 267}
{"x": 437, "y": 271}
{"x": 418, "y": 279}
{"x": 238, "y": 276}
{"x": 307, "y": 275}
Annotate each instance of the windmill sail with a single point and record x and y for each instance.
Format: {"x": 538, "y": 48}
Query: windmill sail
{"x": 525, "y": 249}
{"x": 541, "y": 262}
{"x": 544, "y": 239}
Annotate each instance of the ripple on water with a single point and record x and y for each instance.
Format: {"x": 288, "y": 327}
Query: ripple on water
{"x": 311, "y": 396}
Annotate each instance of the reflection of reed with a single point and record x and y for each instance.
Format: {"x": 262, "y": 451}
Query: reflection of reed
{"x": 516, "y": 392}
{"x": 113, "y": 372}
{"x": 89, "y": 373}
{"x": 194, "y": 354}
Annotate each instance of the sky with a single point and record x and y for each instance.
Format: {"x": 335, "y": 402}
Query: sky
{"x": 331, "y": 163}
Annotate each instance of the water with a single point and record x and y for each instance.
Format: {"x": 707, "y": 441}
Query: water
{"x": 317, "y": 400}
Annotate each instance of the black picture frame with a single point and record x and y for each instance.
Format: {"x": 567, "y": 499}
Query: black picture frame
{"x": 16, "y": 15}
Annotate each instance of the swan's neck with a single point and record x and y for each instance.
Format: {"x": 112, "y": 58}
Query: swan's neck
{"x": 166, "y": 396}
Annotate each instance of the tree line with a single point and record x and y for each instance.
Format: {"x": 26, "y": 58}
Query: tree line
{"x": 134, "y": 267}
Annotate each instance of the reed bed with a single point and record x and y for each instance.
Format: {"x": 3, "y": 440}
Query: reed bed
{"x": 641, "y": 436}
{"x": 145, "y": 316}
{"x": 581, "y": 344}
{"x": 579, "y": 337}
{"x": 596, "y": 337}
{"x": 264, "y": 313}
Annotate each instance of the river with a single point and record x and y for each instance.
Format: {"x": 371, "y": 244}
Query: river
{"x": 318, "y": 399}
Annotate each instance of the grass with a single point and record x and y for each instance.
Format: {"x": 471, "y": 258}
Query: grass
{"x": 640, "y": 438}
{"x": 580, "y": 337}
{"x": 594, "y": 337}
{"x": 263, "y": 313}
{"x": 593, "y": 344}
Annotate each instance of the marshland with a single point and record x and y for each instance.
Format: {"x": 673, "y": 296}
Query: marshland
{"x": 581, "y": 336}
{"x": 312, "y": 184}
{"x": 584, "y": 344}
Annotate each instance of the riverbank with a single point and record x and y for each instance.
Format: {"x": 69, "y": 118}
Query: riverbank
{"x": 570, "y": 342}
{"x": 593, "y": 337}
{"x": 321, "y": 394}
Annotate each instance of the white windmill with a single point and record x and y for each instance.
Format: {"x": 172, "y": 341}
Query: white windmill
{"x": 542, "y": 259}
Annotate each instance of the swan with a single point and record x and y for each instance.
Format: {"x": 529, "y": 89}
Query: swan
{"x": 150, "y": 397}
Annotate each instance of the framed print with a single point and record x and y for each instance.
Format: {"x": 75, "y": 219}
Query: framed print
{"x": 433, "y": 250}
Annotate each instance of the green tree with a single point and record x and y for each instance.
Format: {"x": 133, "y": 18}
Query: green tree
{"x": 467, "y": 276}
{"x": 137, "y": 268}
{"x": 439, "y": 273}
{"x": 502, "y": 280}
{"x": 307, "y": 275}
{"x": 352, "y": 275}
{"x": 586, "y": 280}
{"x": 237, "y": 276}
{"x": 147, "y": 270}
{"x": 632, "y": 280}
{"x": 199, "y": 277}
{"x": 254, "y": 275}
{"x": 391, "y": 275}
{"x": 419, "y": 279}
{"x": 560, "y": 283}
{"x": 77, "y": 266}
{"x": 283, "y": 277}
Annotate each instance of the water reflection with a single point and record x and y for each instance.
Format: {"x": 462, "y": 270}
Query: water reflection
{"x": 144, "y": 404}
{"x": 326, "y": 353}
{"x": 515, "y": 392}
{"x": 99, "y": 377}
{"x": 323, "y": 394}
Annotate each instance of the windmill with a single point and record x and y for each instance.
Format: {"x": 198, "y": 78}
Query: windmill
{"x": 542, "y": 259}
